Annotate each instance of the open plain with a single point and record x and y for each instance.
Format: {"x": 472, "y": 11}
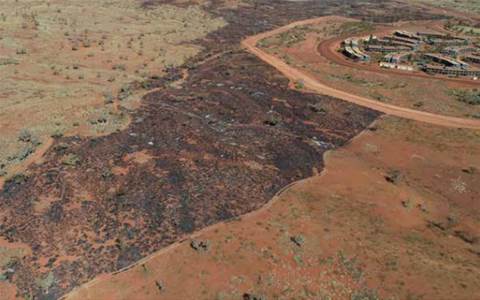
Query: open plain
{"x": 76, "y": 68}
{"x": 387, "y": 215}
{"x": 195, "y": 150}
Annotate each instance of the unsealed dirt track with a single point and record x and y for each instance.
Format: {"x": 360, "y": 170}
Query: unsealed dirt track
{"x": 312, "y": 84}
{"x": 217, "y": 148}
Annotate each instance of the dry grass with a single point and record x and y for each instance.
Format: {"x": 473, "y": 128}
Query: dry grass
{"x": 63, "y": 63}
{"x": 460, "y": 5}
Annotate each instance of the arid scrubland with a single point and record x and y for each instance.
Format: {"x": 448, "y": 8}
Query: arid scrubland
{"x": 66, "y": 67}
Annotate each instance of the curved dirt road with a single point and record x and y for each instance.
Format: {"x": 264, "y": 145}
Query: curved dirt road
{"x": 310, "y": 83}
{"x": 82, "y": 292}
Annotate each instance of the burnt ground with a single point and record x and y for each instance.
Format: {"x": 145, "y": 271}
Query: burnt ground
{"x": 220, "y": 146}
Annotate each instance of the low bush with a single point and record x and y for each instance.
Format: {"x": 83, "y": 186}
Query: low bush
{"x": 471, "y": 97}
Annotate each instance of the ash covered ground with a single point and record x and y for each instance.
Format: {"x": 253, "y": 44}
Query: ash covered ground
{"x": 220, "y": 144}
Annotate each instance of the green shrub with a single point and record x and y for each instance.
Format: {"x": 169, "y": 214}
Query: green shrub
{"x": 471, "y": 97}
{"x": 299, "y": 84}
{"x": 71, "y": 160}
{"x": 355, "y": 27}
{"x": 25, "y": 136}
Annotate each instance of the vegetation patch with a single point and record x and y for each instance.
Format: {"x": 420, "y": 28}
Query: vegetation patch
{"x": 71, "y": 160}
{"x": 46, "y": 282}
{"x": 285, "y": 39}
{"x": 462, "y": 5}
{"x": 7, "y": 254}
{"x": 355, "y": 27}
{"x": 470, "y": 97}
{"x": 299, "y": 84}
{"x": 90, "y": 53}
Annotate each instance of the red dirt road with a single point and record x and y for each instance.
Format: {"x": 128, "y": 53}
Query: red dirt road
{"x": 310, "y": 83}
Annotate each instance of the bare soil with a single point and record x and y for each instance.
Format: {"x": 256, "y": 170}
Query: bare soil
{"x": 391, "y": 215}
{"x": 316, "y": 62}
{"x": 202, "y": 148}
{"x": 68, "y": 67}
{"x": 210, "y": 151}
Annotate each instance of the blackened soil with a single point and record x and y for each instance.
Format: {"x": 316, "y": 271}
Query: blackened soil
{"x": 222, "y": 146}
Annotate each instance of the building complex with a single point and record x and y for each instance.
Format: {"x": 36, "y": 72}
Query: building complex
{"x": 431, "y": 52}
